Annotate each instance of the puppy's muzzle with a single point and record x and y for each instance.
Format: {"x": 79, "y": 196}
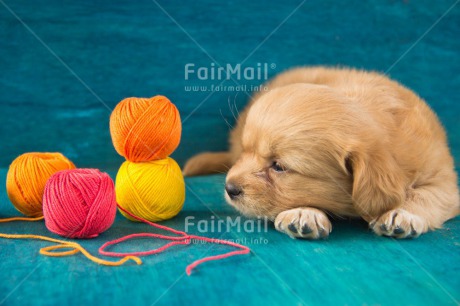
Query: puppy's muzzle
{"x": 233, "y": 190}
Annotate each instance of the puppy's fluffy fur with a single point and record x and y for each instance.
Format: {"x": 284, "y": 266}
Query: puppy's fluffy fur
{"x": 342, "y": 142}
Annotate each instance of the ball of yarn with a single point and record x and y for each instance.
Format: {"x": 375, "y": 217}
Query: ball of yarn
{"x": 154, "y": 190}
{"x": 145, "y": 129}
{"x": 27, "y": 176}
{"x": 79, "y": 203}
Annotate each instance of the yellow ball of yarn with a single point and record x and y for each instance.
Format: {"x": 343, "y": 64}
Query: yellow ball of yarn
{"x": 153, "y": 190}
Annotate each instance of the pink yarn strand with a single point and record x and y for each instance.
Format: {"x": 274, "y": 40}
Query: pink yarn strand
{"x": 182, "y": 239}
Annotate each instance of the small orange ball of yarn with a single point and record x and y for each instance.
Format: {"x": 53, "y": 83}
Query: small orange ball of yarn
{"x": 145, "y": 129}
{"x": 27, "y": 177}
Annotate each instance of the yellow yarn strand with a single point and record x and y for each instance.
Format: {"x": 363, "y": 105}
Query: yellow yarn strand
{"x": 21, "y": 219}
{"x": 75, "y": 248}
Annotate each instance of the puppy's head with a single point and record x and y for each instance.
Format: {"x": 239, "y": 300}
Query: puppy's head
{"x": 294, "y": 143}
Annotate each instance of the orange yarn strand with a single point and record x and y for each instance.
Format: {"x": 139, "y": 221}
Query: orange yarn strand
{"x": 20, "y": 219}
{"x": 75, "y": 248}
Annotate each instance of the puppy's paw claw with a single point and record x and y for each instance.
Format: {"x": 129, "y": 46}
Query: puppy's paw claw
{"x": 292, "y": 228}
{"x": 399, "y": 223}
{"x": 308, "y": 223}
{"x": 305, "y": 230}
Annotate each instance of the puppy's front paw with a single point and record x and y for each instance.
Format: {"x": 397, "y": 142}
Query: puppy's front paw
{"x": 309, "y": 223}
{"x": 399, "y": 223}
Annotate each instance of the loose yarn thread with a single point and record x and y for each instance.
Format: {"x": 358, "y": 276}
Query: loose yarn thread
{"x": 75, "y": 248}
{"x": 183, "y": 238}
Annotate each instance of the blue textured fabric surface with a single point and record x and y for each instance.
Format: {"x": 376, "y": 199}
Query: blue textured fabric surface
{"x": 352, "y": 267}
{"x": 65, "y": 64}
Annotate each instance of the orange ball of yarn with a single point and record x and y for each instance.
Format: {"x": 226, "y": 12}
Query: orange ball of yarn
{"x": 27, "y": 177}
{"x": 145, "y": 129}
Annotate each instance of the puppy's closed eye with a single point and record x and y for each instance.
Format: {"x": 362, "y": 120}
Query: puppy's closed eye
{"x": 277, "y": 167}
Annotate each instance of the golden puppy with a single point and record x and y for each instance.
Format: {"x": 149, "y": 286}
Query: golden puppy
{"x": 341, "y": 142}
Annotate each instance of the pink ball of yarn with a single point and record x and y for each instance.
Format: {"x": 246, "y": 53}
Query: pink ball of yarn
{"x": 79, "y": 203}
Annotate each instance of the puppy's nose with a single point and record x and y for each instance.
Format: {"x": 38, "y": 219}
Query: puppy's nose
{"x": 233, "y": 190}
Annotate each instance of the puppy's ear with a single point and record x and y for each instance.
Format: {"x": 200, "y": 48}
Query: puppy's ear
{"x": 378, "y": 182}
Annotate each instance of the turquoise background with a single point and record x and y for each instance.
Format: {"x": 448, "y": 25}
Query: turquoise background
{"x": 65, "y": 64}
